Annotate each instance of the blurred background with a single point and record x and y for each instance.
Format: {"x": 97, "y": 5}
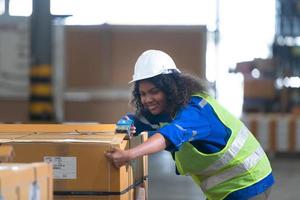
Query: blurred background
{"x": 71, "y": 60}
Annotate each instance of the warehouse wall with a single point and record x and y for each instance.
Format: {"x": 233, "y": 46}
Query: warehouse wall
{"x": 13, "y": 110}
{"x": 99, "y": 62}
{"x": 102, "y": 58}
{"x": 106, "y": 54}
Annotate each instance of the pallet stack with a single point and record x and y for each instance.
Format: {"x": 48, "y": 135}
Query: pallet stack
{"x": 277, "y": 133}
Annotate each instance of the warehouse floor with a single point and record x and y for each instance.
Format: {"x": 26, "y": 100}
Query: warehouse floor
{"x": 165, "y": 185}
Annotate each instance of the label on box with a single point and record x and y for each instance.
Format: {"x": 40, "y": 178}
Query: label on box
{"x": 63, "y": 167}
{"x": 34, "y": 192}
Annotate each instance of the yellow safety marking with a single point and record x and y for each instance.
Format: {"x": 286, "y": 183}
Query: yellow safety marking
{"x": 41, "y": 107}
{"x": 41, "y": 71}
{"x": 41, "y": 89}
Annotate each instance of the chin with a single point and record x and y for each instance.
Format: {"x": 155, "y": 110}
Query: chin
{"x": 155, "y": 112}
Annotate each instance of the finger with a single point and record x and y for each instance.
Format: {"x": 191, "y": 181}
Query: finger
{"x": 108, "y": 156}
{"x": 132, "y": 133}
{"x": 111, "y": 150}
{"x": 108, "y": 152}
{"x": 115, "y": 162}
{"x": 119, "y": 164}
{"x": 132, "y": 130}
{"x": 114, "y": 149}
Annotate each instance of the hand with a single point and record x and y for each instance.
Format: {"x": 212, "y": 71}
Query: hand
{"x": 132, "y": 131}
{"x": 132, "y": 128}
{"x": 118, "y": 157}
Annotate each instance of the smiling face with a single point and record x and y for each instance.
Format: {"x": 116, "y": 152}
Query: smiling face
{"x": 152, "y": 98}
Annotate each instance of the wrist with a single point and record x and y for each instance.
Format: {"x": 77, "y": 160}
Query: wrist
{"x": 131, "y": 154}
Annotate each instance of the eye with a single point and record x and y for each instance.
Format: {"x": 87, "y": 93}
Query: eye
{"x": 142, "y": 94}
{"x": 154, "y": 91}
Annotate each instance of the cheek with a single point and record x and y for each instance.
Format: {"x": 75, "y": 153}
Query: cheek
{"x": 163, "y": 100}
{"x": 142, "y": 100}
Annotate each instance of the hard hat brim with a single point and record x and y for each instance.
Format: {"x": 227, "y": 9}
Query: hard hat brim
{"x": 152, "y": 75}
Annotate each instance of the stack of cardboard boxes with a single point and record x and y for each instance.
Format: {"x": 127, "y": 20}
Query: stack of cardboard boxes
{"x": 276, "y": 132}
{"x": 259, "y": 84}
{"x": 76, "y": 152}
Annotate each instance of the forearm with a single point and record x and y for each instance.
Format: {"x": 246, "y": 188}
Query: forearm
{"x": 154, "y": 144}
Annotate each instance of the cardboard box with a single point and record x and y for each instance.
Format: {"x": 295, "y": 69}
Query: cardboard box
{"x": 259, "y": 89}
{"x": 80, "y": 167}
{"x": 26, "y": 181}
{"x": 84, "y": 128}
{"x": 266, "y": 67}
{"x": 6, "y": 153}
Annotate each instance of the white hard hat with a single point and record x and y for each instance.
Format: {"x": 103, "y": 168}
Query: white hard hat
{"x": 152, "y": 63}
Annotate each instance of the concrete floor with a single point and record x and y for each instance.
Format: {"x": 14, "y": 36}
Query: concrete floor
{"x": 164, "y": 184}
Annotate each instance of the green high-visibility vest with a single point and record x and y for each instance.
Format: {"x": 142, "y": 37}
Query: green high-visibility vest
{"x": 241, "y": 163}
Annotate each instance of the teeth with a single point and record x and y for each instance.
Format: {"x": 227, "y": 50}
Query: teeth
{"x": 151, "y": 107}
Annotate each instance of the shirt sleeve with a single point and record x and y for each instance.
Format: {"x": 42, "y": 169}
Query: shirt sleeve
{"x": 139, "y": 125}
{"x": 189, "y": 124}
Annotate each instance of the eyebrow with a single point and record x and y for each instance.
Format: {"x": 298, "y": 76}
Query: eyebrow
{"x": 151, "y": 89}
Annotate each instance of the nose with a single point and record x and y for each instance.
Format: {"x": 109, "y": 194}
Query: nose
{"x": 147, "y": 99}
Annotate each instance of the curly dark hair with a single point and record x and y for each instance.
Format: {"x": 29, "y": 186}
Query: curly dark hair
{"x": 178, "y": 88}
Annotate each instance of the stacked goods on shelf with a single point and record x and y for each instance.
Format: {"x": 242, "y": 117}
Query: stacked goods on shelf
{"x": 277, "y": 133}
{"x": 286, "y": 51}
{"x": 288, "y": 73}
{"x": 287, "y": 18}
{"x": 80, "y": 168}
{"x": 259, "y": 85}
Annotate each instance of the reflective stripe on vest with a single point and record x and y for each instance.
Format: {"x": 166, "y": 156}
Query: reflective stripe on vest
{"x": 229, "y": 155}
{"x": 249, "y": 162}
{"x": 202, "y": 103}
{"x": 241, "y": 163}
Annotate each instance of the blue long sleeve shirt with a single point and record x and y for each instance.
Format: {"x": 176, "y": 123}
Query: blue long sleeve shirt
{"x": 211, "y": 136}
